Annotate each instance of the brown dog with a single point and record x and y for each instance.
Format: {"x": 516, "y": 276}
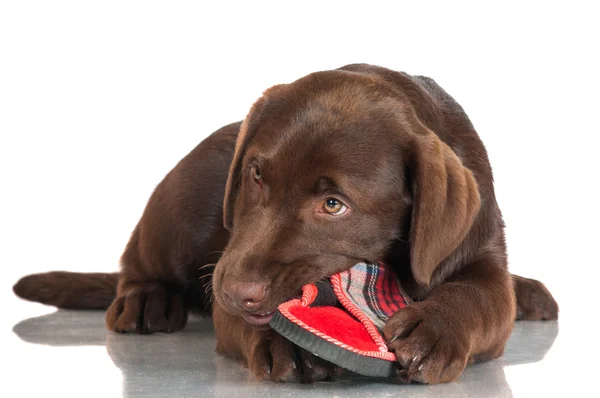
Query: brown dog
{"x": 359, "y": 163}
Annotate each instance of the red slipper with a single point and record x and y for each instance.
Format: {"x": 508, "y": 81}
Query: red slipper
{"x": 340, "y": 320}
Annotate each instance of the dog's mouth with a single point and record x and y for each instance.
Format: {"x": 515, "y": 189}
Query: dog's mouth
{"x": 259, "y": 320}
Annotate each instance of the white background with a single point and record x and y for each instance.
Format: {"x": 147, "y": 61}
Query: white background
{"x": 98, "y": 100}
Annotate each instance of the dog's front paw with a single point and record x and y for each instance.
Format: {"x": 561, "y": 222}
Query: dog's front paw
{"x": 429, "y": 349}
{"x": 146, "y": 309}
{"x": 277, "y": 359}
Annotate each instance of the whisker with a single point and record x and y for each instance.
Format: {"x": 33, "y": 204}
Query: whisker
{"x": 207, "y": 265}
{"x": 207, "y": 287}
{"x": 215, "y": 252}
{"x": 209, "y": 299}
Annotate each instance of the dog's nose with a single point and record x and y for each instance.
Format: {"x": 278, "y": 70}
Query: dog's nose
{"x": 248, "y": 295}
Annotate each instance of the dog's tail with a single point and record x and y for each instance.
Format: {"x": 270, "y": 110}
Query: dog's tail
{"x": 69, "y": 290}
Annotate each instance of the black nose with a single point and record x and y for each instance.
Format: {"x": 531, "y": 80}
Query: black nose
{"x": 247, "y": 295}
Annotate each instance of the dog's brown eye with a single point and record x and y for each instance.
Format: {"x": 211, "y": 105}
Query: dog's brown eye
{"x": 334, "y": 207}
{"x": 256, "y": 174}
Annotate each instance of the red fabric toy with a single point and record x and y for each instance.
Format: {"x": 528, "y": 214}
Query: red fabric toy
{"x": 340, "y": 320}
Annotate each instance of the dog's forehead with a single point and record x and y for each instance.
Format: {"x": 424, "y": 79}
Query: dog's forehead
{"x": 326, "y": 127}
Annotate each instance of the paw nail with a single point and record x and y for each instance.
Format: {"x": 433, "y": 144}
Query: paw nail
{"x": 420, "y": 368}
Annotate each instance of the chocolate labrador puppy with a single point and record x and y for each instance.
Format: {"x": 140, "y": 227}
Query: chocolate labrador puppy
{"x": 356, "y": 164}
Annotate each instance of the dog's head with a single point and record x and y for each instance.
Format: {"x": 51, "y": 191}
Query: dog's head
{"x": 329, "y": 171}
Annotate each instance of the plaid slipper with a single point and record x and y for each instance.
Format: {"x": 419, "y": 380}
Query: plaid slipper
{"x": 340, "y": 320}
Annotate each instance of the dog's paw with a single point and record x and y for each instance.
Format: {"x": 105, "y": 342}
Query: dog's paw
{"x": 428, "y": 348}
{"x": 147, "y": 309}
{"x": 275, "y": 358}
{"x": 534, "y": 301}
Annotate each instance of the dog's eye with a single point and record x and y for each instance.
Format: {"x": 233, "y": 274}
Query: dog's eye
{"x": 256, "y": 174}
{"x": 334, "y": 207}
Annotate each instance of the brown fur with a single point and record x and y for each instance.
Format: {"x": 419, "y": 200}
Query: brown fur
{"x": 69, "y": 290}
{"x": 404, "y": 158}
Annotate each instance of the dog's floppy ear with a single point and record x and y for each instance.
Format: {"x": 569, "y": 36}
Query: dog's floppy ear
{"x": 247, "y": 132}
{"x": 446, "y": 201}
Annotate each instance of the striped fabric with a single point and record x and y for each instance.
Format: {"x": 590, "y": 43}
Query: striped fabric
{"x": 375, "y": 290}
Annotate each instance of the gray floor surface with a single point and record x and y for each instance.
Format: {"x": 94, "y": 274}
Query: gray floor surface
{"x": 185, "y": 364}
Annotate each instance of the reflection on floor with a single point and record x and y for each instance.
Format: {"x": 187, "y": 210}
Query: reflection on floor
{"x": 184, "y": 364}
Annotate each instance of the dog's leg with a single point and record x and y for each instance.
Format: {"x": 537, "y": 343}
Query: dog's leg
{"x": 167, "y": 265}
{"x": 268, "y": 355}
{"x": 145, "y": 302}
{"x": 468, "y": 318}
